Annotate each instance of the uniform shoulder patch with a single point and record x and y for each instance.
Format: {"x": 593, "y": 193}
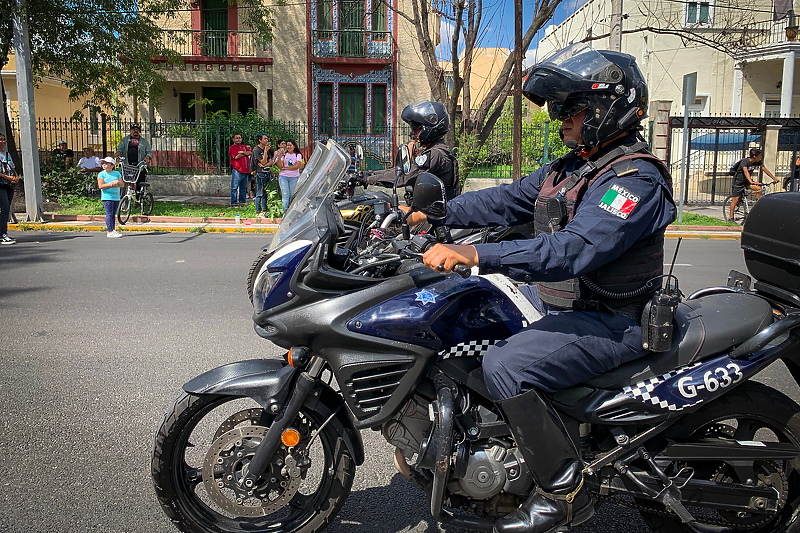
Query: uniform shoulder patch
{"x": 421, "y": 159}
{"x": 618, "y": 201}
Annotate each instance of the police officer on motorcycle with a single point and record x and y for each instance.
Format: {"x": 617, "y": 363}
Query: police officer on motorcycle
{"x": 429, "y": 123}
{"x": 599, "y": 215}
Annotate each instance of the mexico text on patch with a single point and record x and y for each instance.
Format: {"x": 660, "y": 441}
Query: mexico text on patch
{"x": 618, "y": 201}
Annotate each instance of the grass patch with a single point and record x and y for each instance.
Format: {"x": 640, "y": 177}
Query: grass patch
{"x": 693, "y": 219}
{"x": 197, "y": 229}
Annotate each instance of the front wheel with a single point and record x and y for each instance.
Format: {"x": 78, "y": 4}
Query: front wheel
{"x": 739, "y": 212}
{"x": 206, "y": 442}
{"x": 124, "y": 210}
{"x": 147, "y": 203}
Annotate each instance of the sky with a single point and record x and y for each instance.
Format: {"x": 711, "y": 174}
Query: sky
{"x": 499, "y": 32}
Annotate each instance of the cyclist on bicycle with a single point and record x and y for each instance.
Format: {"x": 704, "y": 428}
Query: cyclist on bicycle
{"x": 743, "y": 178}
{"x": 135, "y": 149}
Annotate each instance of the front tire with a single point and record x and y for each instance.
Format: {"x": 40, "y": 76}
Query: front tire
{"x": 749, "y": 409}
{"x": 192, "y": 432}
{"x": 255, "y": 268}
{"x": 124, "y": 210}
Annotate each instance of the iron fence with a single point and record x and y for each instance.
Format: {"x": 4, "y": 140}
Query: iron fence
{"x": 190, "y": 148}
{"x": 716, "y": 144}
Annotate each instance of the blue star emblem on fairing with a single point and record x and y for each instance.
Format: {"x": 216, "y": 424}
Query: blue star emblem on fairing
{"x": 426, "y": 297}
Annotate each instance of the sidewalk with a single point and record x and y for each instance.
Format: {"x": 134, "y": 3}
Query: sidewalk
{"x": 267, "y": 225}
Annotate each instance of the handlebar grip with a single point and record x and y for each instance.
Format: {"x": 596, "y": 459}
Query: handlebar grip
{"x": 462, "y": 270}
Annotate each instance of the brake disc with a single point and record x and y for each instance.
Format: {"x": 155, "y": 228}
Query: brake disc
{"x": 226, "y": 463}
{"x": 251, "y": 415}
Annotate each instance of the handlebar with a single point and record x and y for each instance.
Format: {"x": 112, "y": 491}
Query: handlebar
{"x": 462, "y": 270}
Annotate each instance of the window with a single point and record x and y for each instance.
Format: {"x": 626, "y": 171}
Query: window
{"x": 379, "y": 20}
{"x": 379, "y": 124}
{"x": 325, "y": 107}
{"x": 772, "y": 106}
{"x": 352, "y": 109}
{"x": 215, "y": 28}
{"x": 698, "y": 13}
{"x": 325, "y": 18}
{"x": 352, "y": 37}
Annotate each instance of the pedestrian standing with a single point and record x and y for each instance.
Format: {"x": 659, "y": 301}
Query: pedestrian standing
{"x": 260, "y": 163}
{"x": 8, "y": 180}
{"x": 290, "y": 163}
{"x": 240, "y": 170}
{"x": 110, "y": 182}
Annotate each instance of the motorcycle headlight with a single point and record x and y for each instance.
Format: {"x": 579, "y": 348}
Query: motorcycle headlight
{"x": 264, "y": 283}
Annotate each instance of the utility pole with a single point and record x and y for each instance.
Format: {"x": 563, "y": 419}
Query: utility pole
{"x": 615, "y": 36}
{"x": 27, "y": 118}
{"x": 516, "y": 137}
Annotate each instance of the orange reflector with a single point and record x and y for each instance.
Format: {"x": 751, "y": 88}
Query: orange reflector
{"x": 290, "y": 437}
{"x": 291, "y": 363}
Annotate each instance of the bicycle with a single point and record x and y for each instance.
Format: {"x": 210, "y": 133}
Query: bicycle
{"x": 744, "y": 204}
{"x": 133, "y": 195}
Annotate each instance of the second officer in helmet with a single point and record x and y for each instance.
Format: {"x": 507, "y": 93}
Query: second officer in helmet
{"x": 429, "y": 123}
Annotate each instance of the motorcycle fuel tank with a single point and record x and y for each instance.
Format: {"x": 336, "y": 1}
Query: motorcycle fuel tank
{"x": 449, "y": 312}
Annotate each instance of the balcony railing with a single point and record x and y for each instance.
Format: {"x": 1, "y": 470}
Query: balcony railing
{"x": 216, "y": 43}
{"x": 353, "y": 43}
{"x": 768, "y": 33}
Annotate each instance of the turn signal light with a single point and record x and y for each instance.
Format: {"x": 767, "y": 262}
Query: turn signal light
{"x": 297, "y": 356}
{"x": 290, "y": 437}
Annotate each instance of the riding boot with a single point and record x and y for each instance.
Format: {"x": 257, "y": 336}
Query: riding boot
{"x": 560, "y": 498}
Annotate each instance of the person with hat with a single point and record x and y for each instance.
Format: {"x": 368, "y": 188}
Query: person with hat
{"x": 599, "y": 215}
{"x": 135, "y": 149}
{"x": 64, "y": 156}
{"x": 110, "y": 183}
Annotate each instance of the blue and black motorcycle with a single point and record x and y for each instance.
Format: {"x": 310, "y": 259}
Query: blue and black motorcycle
{"x": 375, "y": 340}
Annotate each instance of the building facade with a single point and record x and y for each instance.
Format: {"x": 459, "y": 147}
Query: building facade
{"x": 344, "y": 67}
{"x": 746, "y": 66}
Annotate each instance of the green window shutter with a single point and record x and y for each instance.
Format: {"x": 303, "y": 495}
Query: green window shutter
{"x": 691, "y": 13}
{"x": 325, "y": 18}
{"x": 352, "y": 109}
{"x": 352, "y": 37}
{"x": 379, "y": 125}
{"x": 325, "y": 108}
{"x": 379, "y": 20}
{"x": 703, "y": 13}
{"x": 215, "y": 28}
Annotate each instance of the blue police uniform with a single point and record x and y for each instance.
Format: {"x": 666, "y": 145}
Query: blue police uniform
{"x": 565, "y": 347}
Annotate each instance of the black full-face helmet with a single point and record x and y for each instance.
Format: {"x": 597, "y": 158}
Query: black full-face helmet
{"x": 431, "y": 117}
{"x": 607, "y": 84}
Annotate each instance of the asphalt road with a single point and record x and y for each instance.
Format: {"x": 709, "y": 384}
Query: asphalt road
{"x": 98, "y": 336}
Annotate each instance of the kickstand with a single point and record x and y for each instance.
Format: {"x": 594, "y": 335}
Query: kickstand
{"x": 670, "y": 495}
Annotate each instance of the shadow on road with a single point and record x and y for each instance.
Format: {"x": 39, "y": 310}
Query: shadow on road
{"x": 369, "y": 510}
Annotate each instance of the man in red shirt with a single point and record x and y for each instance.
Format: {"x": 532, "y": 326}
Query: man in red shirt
{"x": 240, "y": 169}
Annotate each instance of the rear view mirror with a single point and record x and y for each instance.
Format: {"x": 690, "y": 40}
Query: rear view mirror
{"x": 429, "y": 196}
{"x": 404, "y": 159}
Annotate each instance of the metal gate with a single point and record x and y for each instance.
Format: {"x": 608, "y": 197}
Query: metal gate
{"x": 716, "y": 143}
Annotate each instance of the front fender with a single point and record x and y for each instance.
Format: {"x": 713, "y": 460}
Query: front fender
{"x": 265, "y": 380}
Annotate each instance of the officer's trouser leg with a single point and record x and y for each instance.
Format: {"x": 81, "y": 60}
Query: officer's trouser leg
{"x": 555, "y": 463}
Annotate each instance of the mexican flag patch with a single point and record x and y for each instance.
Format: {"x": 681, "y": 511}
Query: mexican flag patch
{"x": 618, "y": 201}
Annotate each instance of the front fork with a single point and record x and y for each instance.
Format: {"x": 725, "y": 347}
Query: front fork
{"x": 272, "y": 440}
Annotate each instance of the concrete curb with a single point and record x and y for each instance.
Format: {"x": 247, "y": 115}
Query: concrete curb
{"x": 26, "y": 226}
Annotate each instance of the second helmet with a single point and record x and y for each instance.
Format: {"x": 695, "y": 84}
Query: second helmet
{"x": 432, "y": 117}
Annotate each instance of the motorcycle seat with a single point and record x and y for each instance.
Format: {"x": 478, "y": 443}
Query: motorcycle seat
{"x": 703, "y": 328}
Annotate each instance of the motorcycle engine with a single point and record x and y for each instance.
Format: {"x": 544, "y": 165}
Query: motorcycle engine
{"x": 491, "y": 468}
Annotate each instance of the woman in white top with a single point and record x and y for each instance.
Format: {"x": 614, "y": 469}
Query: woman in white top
{"x": 290, "y": 163}
{"x": 89, "y": 162}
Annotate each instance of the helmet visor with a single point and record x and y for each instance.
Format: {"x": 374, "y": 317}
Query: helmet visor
{"x": 563, "y": 110}
{"x": 583, "y": 62}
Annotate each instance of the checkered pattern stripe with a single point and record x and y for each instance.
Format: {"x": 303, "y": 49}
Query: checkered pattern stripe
{"x": 467, "y": 349}
{"x": 643, "y": 391}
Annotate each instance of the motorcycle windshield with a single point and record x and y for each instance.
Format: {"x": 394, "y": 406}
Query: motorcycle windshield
{"x": 325, "y": 168}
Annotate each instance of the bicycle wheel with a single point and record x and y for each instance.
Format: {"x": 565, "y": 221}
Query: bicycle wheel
{"x": 739, "y": 212}
{"x": 124, "y": 210}
{"x": 147, "y": 203}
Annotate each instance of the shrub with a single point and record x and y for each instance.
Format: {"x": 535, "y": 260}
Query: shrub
{"x": 66, "y": 183}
